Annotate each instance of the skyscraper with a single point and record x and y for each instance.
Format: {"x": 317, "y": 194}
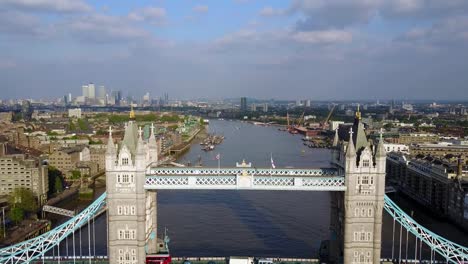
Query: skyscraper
{"x": 117, "y": 96}
{"x": 243, "y": 105}
{"x": 85, "y": 91}
{"x": 91, "y": 91}
{"x": 101, "y": 92}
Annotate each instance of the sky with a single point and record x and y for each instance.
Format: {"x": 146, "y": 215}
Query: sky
{"x": 268, "y": 49}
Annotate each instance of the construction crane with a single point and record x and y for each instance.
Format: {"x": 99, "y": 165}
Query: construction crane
{"x": 301, "y": 119}
{"x": 324, "y": 124}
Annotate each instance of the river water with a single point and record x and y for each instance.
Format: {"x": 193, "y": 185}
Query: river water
{"x": 257, "y": 223}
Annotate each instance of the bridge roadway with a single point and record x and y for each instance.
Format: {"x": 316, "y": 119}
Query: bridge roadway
{"x": 238, "y": 178}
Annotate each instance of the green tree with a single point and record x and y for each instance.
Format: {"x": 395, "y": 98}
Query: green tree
{"x": 58, "y": 185}
{"x": 16, "y": 214}
{"x": 76, "y": 174}
{"x": 55, "y": 181}
{"x": 23, "y": 198}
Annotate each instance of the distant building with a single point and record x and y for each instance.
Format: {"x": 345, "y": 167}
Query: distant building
{"x": 334, "y": 125}
{"x": 440, "y": 149}
{"x": 91, "y": 91}
{"x": 66, "y": 159}
{"x": 253, "y": 107}
{"x": 265, "y": 107}
{"x": 117, "y": 96}
{"x": 439, "y": 185}
{"x": 390, "y": 147}
{"x": 74, "y": 113}
{"x": 417, "y": 138}
{"x": 101, "y": 92}
{"x": 85, "y": 91}
{"x": 243, "y": 104}
{"x": 307, "y": 103}
{"x": 17, "y": 171}
{"x": 407, "y": 107}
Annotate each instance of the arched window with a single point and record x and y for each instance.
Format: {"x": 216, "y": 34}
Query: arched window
{"x": 365, "y": 163}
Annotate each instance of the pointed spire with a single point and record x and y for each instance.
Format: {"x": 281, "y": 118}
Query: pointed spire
{"x": 140, "y": 133}
{"x": 335, "y": 139}
{"x": 351, "y": 151}
{"x": 140, "y": 145}
{"x": 152, "y": 131}
{"x": 110, "y": 142}
{"x": 380, "y": 147}
{"x": 358, "y": 113}
{"x": 132, "y": 113}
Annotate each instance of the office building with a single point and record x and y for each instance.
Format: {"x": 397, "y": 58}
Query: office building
{"x": 85, "y": 91}
{"x": 243, "y": 104}
{"x": 17, "y": 171}
{"x": 101, "y": 92}
{"x": 117, "y": 97}
{"x": 253, "y": 107}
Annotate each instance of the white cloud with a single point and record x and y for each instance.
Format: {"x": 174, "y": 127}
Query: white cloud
{"x": 270, "y": 11}
{"x": 201, "y": 8}
{"x": 323, "y": 36}
{"x": 150, "y": 14}
{"x": 49, "y": 5}
{"x": 104, "y": 28}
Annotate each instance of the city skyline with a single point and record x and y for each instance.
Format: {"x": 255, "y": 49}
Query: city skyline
{"x": 331, "y": 50}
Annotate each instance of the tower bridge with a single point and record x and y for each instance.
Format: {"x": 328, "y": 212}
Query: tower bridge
{"x": 357, "y": 176}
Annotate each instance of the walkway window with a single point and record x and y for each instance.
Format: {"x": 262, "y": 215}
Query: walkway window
{"x": 365, "y": 163}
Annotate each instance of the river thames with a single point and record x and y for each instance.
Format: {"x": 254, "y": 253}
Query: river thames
{"x": 257, "y": 223}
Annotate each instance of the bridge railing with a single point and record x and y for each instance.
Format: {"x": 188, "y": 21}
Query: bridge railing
{"x": 32, "y": 249}
{"x": 449, "y": 250}
{"x": 237, "y": 171}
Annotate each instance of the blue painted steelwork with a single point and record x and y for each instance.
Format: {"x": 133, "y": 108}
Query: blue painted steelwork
{"x": 32, "y": 249}
{"x": 236, "y": 171}
{"x": 451, "y": 251}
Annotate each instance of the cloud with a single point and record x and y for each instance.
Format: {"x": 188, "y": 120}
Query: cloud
{"x": 323, "y": 36}
{"x": 319, "y": 14}
{"x": 200, "y": 8}
{"x": 447, "y": 32}
{"x": 66, "y": 6}
{"x": 270, "y": 11}
{"x": 20, "y": 23}
{"x": 149, "y": 14}
{"x": 104, "y": 28}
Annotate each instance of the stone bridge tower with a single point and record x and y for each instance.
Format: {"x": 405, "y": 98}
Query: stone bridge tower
{"x": 131, "y": 211}
{"x": 363, "y": 164}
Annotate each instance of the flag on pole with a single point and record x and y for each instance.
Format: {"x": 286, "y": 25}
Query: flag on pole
{"x": 272, "y": 163}
{"x": 218, "y": 156}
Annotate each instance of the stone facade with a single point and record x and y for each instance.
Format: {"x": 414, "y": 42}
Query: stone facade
{"x": 363, "y": 165}
{"x": 131, "y": 210}
{"x": 17, "y": 171}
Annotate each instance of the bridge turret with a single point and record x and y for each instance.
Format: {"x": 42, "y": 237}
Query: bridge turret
{"x": 152, "y": 146}
{"x": 111, "y": 152}
{"x": 350, "y": 153}
{"x": 380, "y": 155}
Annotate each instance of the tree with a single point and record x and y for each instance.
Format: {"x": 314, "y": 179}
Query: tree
{"x": 75, "y": 174}
{"x": 55, "y": 181}
{"x": 16, "y": 214}
{"x": 24, "y": 199}
{"x": 58, "y": 185}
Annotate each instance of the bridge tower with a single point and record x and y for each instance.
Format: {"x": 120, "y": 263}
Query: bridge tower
{"x": 131, "y": 214}
{"x": 363, "y": 165}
